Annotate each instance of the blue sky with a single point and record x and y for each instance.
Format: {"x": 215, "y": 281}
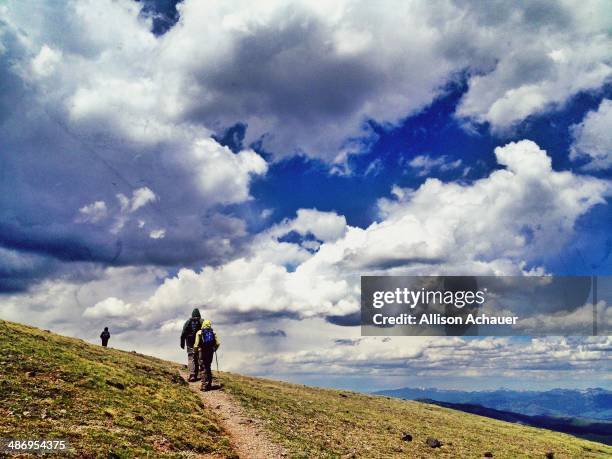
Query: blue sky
{"x": 435, "y": 131}
{"x": 255, "y": 160}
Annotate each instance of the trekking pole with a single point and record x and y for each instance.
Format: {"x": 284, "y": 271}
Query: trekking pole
{"x": 217, "y": 360}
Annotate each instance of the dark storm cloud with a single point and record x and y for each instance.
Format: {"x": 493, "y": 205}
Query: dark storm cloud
{"x": 277, "y": 333}
{"x": 350, "y": 320}
{"x": 230, "y": 317}
{"x": 52, "y": 168}
{"x": 286, "y": 74}
{"x": 347, "y": 342}
{"x": 267, "y": 71}
{"x": 41, "y": 209}
{"x": 106, "y": 108}
{"x": 388, "y": 263}
{"x": 18, "y": 271}
{"x": 539, "y": 13}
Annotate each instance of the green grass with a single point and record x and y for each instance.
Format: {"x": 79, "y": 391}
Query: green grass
{"x": 312, "y": 422}
{"x": 57, "y": 387}
{"x": 108, "y": 401}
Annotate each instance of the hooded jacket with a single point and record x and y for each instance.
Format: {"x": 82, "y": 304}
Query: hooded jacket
{"x": 187, "y": 335}
{"x": 206, "y": 324}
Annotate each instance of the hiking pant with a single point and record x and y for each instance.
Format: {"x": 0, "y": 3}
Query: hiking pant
{"x": 104, "y": 342}
{"x": 193, "y": 362}
{"x": 206, "y": 357}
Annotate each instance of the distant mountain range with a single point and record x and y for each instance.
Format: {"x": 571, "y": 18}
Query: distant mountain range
{"x": 594, "y": 430}
{"x": 589, "y": 404}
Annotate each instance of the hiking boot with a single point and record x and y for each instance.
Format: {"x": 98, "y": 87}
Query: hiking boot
{"x": 192, "y": 379}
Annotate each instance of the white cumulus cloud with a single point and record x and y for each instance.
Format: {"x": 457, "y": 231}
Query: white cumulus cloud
{"x": 304, "y": 76}
{"x": 141, "y": 197}
{"x": 157, "y": 234}
{"x": 499, "y": 224}
{"x": 223, "y": 175}
{"x": 93, "y": 212}
{"x": 425, "y": 164}
{"x": 110, "y": 307}
{"x": 593, "y": 139}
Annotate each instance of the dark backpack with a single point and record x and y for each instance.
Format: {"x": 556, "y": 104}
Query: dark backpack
{"x": 194, "y": 325}
{"x": 207, "y": 339}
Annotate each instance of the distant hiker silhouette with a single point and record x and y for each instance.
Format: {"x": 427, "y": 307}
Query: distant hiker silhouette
{"x": 104, "y": 336}
{"x": 207, "y": 343}
{"x": 188, "y": 336}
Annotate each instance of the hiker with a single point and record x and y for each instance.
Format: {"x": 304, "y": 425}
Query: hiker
{"x": 190, "y": 329}
{"x": 206, "y": 342}
{"x": 104, "y": 336}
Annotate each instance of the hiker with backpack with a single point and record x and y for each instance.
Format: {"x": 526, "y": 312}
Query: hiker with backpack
{"x": 188, "y": 336}
{"x": 207, "y": 343}
{"x": 105, "y": 336}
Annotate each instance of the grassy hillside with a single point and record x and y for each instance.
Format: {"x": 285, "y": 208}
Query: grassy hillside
{"x": 314, "y": 422}
{"x": 108, "y": 401}
{"x": 101, "y": 400}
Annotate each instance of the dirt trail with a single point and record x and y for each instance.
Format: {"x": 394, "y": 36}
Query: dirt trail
{"x": 246, "y": 435}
